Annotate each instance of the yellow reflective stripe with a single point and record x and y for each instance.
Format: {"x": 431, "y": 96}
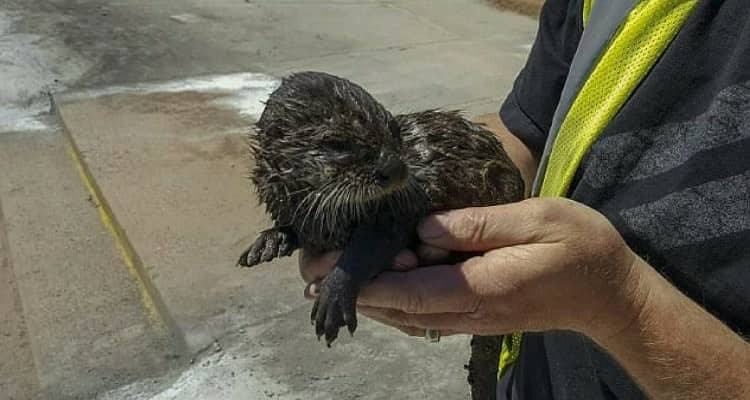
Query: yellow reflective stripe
{"x": 647, "y": 31}
{"x": 587, "y": 6}
{"x": 509, "y": 352}
{"x": 638, "y": 44}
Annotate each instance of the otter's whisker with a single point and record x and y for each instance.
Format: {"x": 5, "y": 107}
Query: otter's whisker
{"x": 314, "y": 205}
{"x": 323, "y": 208}
{"x": 300, "y": 191}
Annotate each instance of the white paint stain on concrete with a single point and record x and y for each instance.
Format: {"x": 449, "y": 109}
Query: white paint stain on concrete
{"x": 243, "y": 92}
{"x": 31, "y": 67}
{"x": 220, "y": 376}
{"x": 186, "y": 18}
{"x": 34, "y": 67}
{"x": 234, "y": 373}
{"x": 15, "y": 119}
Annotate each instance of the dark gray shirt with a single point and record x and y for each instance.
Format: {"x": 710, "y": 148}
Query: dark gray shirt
{"x": 671, "y": 172}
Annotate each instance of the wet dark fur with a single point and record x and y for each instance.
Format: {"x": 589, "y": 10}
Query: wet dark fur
{"x": 337, "y": 171}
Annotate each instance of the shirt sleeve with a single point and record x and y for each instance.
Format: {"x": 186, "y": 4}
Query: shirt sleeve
{"x": 531, "y": 104}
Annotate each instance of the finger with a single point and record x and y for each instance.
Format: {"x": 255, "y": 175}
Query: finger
{"x": 316, "y": 267}
{"x": 405, "y": 260}
{"x": 409, "y": 330}
{"x": 426, "y": 290}
{"x": 431, "y": 255}
{"x": 446, "y": 323}
{"x": 312, "y": 290}
{"x": 486, "y": 228}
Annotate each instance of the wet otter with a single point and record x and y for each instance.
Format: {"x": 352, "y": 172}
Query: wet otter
{"x": 336, "y": 170}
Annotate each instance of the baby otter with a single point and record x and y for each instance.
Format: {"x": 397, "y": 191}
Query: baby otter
{"x": 337, "y": 171}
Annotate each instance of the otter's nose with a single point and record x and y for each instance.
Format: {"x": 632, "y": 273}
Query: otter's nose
{"x": 390, "y": 170}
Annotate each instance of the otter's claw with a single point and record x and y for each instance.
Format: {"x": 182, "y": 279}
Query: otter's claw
{"x": 335, "y": 307}
{"x": 272, "y": 243}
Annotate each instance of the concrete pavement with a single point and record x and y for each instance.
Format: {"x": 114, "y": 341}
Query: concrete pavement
{"x": 18, "y": 378}
{"x": 157, "y": 125}
{"x": 84, "y": 316}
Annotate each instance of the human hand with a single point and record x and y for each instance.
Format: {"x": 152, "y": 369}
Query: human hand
{"x": 314, "y": 268}
{"x": 546, "y": 264}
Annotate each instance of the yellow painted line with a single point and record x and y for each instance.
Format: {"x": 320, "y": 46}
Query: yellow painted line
{"x": 156, "y": 311}
{"x": 121, "y": 242}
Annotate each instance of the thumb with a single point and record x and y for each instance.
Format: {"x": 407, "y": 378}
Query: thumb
{"x": 481, "y": 228}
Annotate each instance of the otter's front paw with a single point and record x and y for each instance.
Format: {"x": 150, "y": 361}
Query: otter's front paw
{"x": 335, "y": 306}
{"x": 272, "y": 243}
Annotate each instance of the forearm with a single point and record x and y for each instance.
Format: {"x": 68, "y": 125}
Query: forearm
{"x": 675, "y": 349}
{"x": 521, "y": 156}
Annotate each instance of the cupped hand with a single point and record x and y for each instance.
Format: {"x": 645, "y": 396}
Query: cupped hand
{"x": 545, "y": 264}
{"x": 314, "y": 268}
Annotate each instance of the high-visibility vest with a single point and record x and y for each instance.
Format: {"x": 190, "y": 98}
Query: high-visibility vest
{"x": 621, "y": 42}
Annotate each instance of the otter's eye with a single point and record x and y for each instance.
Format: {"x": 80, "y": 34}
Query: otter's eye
{"x": 338, "y": 145}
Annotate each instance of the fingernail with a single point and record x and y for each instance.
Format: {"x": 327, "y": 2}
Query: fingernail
{"x": 432, "y": 254}
{"x": 433, "y": 227}
{"x": 311, "y": 291}
{"x": 405, "y": 260}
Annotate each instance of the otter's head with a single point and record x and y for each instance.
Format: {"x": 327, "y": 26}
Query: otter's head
{"x": 323, "y": 141}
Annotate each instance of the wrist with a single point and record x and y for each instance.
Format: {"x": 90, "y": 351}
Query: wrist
{"x": 628, "y": 309}
{"x": 667, "y": 343}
